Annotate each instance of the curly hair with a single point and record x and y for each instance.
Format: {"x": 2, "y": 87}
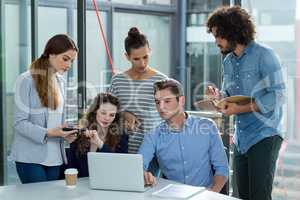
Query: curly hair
{"x": 89, "y": 121}
{"x": 233, "y": 24}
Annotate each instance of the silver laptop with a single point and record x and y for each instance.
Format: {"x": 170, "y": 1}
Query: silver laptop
{"x": 114, "y": 171}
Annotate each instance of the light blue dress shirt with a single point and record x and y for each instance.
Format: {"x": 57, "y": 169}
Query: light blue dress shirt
{"x": 191, "y": 156}
{"x": 256, "y": 73}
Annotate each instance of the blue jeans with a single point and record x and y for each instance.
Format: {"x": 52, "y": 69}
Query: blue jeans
{"x": 30, "y": 172}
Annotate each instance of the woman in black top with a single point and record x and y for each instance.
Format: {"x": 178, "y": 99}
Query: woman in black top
{"x": 104, "y": 133}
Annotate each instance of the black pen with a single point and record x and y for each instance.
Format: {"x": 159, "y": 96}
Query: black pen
{"x": 227, "y": 93}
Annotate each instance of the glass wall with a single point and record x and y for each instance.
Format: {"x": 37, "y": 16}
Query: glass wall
{"x": 96, "y": 62}
{"x": 17, "y": 53}
{"x": 140, "y": 2}
{"x": 161, "y": 2}
{"x": 135, "y": 2}
{"x": 64, "y": 16}
{"x": 196, "y": 6}
{"x": 203, "y": 57}
{"x": 60, "y": 16}
{"x": 17, "y": 56}
{"x": 156, "y": 28}
{"x": 277, "y": 27}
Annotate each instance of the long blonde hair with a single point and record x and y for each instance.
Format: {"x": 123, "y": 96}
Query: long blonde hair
{"x": 43, "y": 74}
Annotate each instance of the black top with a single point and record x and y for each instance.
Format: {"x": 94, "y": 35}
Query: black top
{"x": 81, "y": 163}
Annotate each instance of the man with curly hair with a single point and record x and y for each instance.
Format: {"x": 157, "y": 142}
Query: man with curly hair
{"x": 250, "y": 69}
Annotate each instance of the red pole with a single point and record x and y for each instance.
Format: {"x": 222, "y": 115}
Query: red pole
{"x": 99, "y": 19}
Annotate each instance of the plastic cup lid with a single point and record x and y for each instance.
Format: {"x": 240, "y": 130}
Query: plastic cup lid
{"x": 71, "y": 171}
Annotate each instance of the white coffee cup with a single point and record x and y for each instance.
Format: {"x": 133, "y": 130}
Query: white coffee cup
{"x": 71, "y": 177}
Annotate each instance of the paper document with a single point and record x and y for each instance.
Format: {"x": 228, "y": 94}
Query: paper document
{"x": 178, "y": 191}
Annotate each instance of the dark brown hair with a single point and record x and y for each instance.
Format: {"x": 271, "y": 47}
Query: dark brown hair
{"x": 89, "y": 121}
{"x": 135, "y": 40}
{"x": 42, "y": 73}
{"x": 233, "y": 24}
{"x": 173, "y": 85}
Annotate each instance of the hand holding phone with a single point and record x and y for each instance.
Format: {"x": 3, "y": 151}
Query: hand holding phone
{"x": 77, "y": 130}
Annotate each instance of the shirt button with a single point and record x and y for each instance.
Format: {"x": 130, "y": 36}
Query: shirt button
{"x": 248, "y": 75}
{"x": 186, "y": 176}
{"x": 237, "y": 87}
{"x": 182, "y": 147}
{"x": 237, "y": 76}
{"x": 237, "y": 64}
{"x": 184, "y": 162}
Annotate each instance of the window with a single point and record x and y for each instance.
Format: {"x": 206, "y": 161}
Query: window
{"x": 17, "y": 52}
{"x": 98, "y": 72}
{"x": 162, "y": 2}
{"x": 60, "y": 16}
{"x": 203, "y": 5}
{"x": 204, "y": 62}
{"x": 280, "y": 19}
{"x": 203, "y": 57}
{"x": 65, "y": 18}
{"x": 136, "y": 2}
{"x": 47, "y": 17}
{"x": 156, "y": 28}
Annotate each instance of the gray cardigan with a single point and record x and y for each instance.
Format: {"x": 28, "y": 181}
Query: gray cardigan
{"x": 30, "y": 123}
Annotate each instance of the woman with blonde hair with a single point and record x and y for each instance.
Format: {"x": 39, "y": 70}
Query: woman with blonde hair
{"x": 38, "y": 145}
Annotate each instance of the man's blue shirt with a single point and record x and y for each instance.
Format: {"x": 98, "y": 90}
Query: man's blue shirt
{"x": 190, "y": 156}
{"x": 256, "y": 73}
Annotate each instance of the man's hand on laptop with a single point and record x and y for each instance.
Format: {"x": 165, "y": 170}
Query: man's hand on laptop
{"x": 149, "y": 179}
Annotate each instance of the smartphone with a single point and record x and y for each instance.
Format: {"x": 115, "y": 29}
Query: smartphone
{"x": 78, "y": 130}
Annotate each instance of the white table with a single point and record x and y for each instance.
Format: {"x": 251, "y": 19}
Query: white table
{"x": 56, "y": 190}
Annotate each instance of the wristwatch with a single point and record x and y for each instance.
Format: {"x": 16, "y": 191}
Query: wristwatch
{"x": 45, "y": 138}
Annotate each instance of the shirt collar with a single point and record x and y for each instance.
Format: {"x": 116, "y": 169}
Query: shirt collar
{"x": 247, "y": 49}
{"x": 188, "y": 122}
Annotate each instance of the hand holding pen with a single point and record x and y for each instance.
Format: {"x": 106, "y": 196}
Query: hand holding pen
{"x": 212, "y": 93}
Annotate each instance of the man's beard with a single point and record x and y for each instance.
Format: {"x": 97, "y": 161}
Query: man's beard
{"x": 230, "y": 48}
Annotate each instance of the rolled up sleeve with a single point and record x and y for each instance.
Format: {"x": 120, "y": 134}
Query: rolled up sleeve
{"x": 272, "y": 85}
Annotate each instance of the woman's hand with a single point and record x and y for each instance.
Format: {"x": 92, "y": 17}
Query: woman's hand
{"x": 94, "y": 138}
{"x": 71, "y": 138}
{"x": 58, "y": 132}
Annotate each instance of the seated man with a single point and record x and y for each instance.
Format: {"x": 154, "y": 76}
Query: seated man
{"x": 189, "y": 149}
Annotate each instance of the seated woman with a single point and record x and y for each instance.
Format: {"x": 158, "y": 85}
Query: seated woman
{"x": 104, "y": 133}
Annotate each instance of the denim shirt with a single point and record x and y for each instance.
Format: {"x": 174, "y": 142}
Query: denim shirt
{"x": 257, "y": 73}
{"x": 191, "y": 156}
